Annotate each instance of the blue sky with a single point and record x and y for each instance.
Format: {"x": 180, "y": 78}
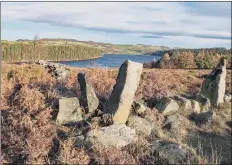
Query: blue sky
{"x": 173, "y": 24}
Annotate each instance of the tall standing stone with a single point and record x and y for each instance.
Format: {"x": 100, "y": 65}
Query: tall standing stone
{"x": 122, "y": 97}
{"x": 213, "y": 87}
{"x": 88, "y": 96}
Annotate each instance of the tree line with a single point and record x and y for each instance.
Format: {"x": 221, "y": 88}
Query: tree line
{"x": 35, "y": 50}
{"x": 193, "y": 58}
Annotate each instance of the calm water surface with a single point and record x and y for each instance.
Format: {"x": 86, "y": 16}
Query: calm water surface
{"x": 110, "y": 61}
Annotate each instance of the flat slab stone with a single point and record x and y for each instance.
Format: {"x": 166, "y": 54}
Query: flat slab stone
{"x": 69, "y": 111}
{"x": 112, "y": 136}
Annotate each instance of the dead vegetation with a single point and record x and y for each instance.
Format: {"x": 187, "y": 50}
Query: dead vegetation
{"x": 30, "y": 136}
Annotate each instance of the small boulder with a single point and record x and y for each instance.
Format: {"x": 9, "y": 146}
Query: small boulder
{"x": 122, "y": 96}
{"x": 204, "y": 117}
{"x": 176, "y": 122}
{"x": 196, "y": 106}
{"x": 138, "y": 108}
{"x": 112, "y": 136}
{"x": 227, "y": 98}
{"x": 204, "y": 103}
{"x": 69, "y": 111}
{"x": 88, "y": 95}
{"x": 167, "y": 106}
{"x": 142, "y": 126}
{"x": 173, "y": 153}
{"x": 185, "y": 105}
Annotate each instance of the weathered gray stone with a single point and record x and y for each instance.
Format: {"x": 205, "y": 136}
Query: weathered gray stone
{"x": 173, "y": 153}
{"x": 204, "y": 117}
{"x": 214, "y": 85}
{"x": 69, "y": 111}
{"x": 62, "y": 73}
{"x": 167, "y": 106}
{"x": 142, "y": 126}
{"x": 196, "y": 106}
{"x": 57, "y": 70}
{"x": 176, "y": 122}
{"x": 88, "y": 95}
{"x": 138, "y": 108}
{"x": 204, "y": 103}
{"x": 227, "y": 98}
{"x": 184, "y": 104}
{"x": 112, "y": 136}
{"x": 122, "y": 97}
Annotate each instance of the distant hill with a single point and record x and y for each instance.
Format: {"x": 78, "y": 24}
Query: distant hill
{"x": 107, "y": 48}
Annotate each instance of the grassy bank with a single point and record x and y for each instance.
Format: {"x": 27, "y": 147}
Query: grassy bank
{"x": 36, "y": 50}
{"x": 29, "y": 133}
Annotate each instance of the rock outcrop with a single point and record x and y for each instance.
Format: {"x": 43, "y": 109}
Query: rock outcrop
{"x": 214, "y": 85}
{"x": 167, "y": 106}
{"x": 57, "y": 70}
{"x": 112, "y": 136}
{"x": 142, "y": 126}
{"x": 88, "y": 96}
{"x": 122, "y": 97}
{"x": 69, "y": 111}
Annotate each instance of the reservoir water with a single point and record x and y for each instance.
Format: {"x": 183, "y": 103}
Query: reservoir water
{"x": 110, "y": 61}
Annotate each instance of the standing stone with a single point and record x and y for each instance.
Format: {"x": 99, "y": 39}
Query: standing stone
{"x": 88, "y": 96}
{"x": 167, "y": 106}
{"x": 122, "y": 97}
{"x": 214, "y": 85}
{"x": 69, "y": 111}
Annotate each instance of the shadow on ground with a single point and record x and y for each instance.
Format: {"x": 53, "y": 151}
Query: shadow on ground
{"x": 211, "y": 145}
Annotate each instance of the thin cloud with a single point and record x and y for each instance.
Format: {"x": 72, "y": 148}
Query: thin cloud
{"x": 152, "y": 37}
{"x": 161, "y": 20}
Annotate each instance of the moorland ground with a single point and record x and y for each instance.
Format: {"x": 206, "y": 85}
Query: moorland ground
{"x": 29, "y": 133}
